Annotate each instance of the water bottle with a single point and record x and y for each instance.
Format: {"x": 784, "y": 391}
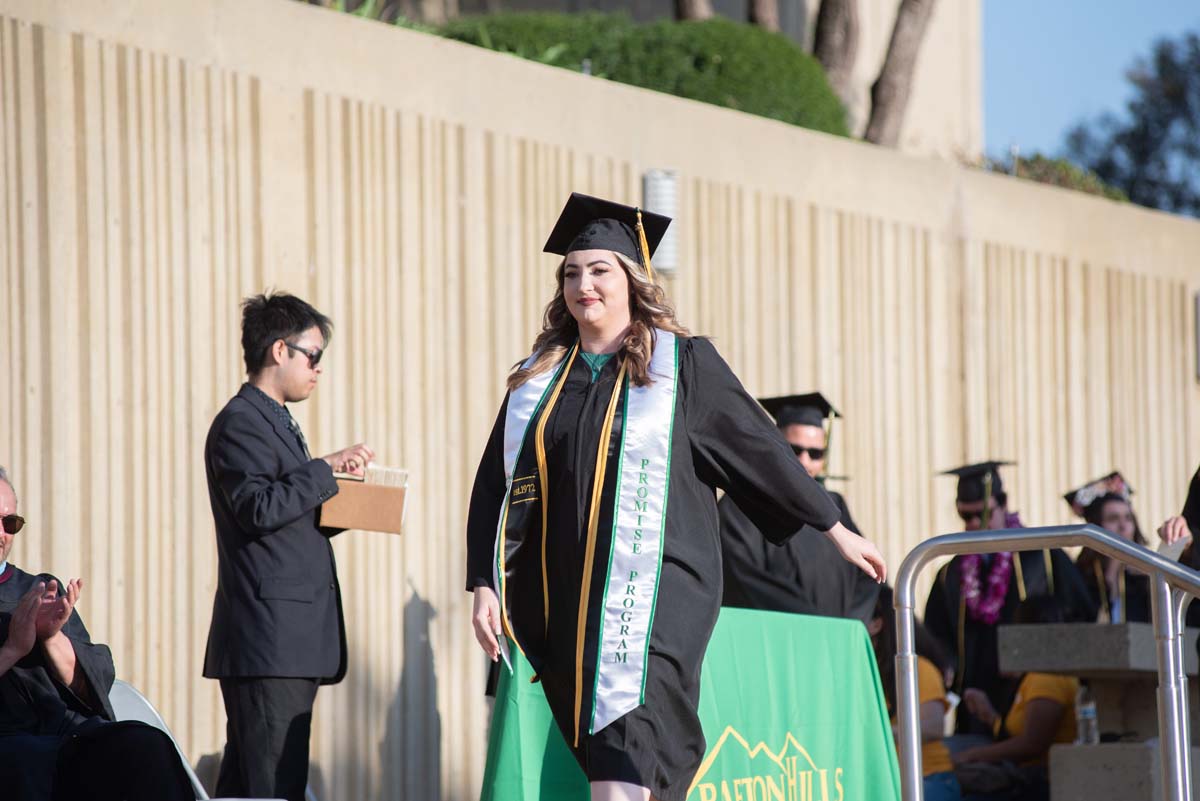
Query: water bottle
{"x": 1087, "y": 728}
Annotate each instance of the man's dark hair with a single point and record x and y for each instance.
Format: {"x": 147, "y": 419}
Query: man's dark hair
{"x": 273, "y": 316}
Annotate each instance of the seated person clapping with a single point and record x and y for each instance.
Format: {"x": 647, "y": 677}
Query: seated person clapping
{"x": 57, "y": 735}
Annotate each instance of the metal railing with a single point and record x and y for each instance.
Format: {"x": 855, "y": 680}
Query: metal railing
{"x": 1171, "y": 584}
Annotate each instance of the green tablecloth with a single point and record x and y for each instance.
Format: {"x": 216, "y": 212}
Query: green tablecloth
{"x": 791, "y": 707}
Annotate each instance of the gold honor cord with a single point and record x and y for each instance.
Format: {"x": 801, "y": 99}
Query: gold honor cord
{"x": 641, "y": 232}
{"x": 828, "y": 441}
{"x": 1102, "y": 584}
{"x": 590, "y": 550}
{"x": 962, "y": 640}
{"x": 540, "y": 444}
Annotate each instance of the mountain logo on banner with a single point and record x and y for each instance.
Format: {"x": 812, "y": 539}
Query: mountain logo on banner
{"x": 757, "y": 773}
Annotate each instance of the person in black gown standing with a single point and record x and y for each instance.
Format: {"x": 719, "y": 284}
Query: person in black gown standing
{"x": 592, "y": 540}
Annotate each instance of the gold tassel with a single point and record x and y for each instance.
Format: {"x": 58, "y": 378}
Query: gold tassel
{"x": 641, "y": 231}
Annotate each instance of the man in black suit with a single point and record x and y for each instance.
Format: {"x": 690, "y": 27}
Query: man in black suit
{"x": 277, "y": 631}
{"x": 57, "y": 735}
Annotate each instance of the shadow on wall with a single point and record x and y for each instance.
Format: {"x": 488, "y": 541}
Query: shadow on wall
{"x": 411, "y": 751}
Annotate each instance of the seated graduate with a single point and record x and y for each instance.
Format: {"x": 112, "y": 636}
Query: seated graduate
{"x": 57, "y": 738}
{"x": 1041, "y": 713}
{"x": 975, "y": 593}
{"x": 806, "y": 574}
{"x": 936, "y": 767}
{"x": 1121, "y": 594}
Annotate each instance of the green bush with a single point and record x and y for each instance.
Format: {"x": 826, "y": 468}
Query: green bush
{"x": 563, "y": 40}
{"x": 715, "y": 61}
{"x": 1060, "y": 172}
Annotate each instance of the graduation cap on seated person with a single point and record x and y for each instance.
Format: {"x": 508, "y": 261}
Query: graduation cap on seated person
{"x": 1112, "y": 484}
{"x": 590, "y": 223}
{"x": 975, "y": 481}
{"x": 810, "y": 409}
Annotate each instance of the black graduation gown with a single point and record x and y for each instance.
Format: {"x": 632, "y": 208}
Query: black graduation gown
{"x": 1137, "y": 592}
{"x": 37, "y": 711}
{"x": 1191, "y": 556}
{"x": 980, "y": 649}
{"x": 721, "y": 438}
{"x": 806, "y": 575}
{"x": 1191, "y": 514}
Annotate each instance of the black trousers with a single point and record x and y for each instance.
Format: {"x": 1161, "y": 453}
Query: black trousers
{"x": 125, "y": 761}
{"x": 266, "y": 749}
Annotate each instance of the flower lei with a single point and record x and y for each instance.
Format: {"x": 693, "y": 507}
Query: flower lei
{"x": 985, "y": 605}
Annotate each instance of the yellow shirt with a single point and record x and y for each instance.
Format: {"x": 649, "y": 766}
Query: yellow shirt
{"x": 1059, "y": 689}
{"x": 935, "y": 757}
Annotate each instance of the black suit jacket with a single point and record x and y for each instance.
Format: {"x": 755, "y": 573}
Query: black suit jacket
{"x": 39, "y": 713}
{"x": 278, "y": 607}
{"x": 32, "y": 700}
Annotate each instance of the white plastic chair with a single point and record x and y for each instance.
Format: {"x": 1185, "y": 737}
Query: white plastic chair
{"x": 129, "y": 704}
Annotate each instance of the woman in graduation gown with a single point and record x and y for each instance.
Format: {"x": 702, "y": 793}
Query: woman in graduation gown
{"x": 1122, "y": 595}
{"x": 592, "y": 537}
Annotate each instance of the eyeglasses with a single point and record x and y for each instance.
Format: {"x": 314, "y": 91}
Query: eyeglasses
{"x": 314, "y": 355}
{"x": 813, "y": 453}
{"x": 12, "y": 523}
{"x": 977, "y": 514}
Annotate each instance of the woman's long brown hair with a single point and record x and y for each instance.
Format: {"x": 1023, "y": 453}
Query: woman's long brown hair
{"x": 648, "y": 310}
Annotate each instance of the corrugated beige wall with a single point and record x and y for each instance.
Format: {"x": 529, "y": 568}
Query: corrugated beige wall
{"x": 158, "y": 161}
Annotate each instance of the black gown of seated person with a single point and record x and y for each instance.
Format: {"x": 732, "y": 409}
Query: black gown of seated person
{"x": 805, "y": 576}
{"x": 946, "y": 617}
{"x": 1134, "y": 602}
{"x": 720, "y": 438}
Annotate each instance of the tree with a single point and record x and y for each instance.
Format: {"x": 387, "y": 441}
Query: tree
{"x": 1152, "y": 154}
{"x": 889, "y": 93}
{"x": 693, "y": 9}
{"x": 835, "y": 44}
{"x": 765, "y": 14}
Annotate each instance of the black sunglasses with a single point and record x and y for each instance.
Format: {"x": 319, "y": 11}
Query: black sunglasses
{"x": 314, "y": 355}
{"x": 12, "y": 523}
{"x": 967, "y": 517}
{"x": 813, "y": 453}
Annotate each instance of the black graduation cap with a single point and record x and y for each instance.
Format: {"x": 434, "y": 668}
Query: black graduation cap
{"x": 590, "y": 223}
{"x": 1112, "y": 484}
{"x": 973, "y": 477}
{"x": 811, "y": 409}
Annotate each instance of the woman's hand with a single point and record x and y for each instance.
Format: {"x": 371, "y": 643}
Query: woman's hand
{"x": 1112, "y": 575}
{"x": 859, "y": 552}
{"x": 486, "y": 619}
{"x": 980, "y": 706}
{"x": 1174, "y": 529}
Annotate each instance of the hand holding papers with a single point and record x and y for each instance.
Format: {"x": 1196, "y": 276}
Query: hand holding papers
{"x": 370, "y": 501}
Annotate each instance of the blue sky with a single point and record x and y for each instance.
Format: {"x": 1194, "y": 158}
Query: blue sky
{"x": 1050, "y": 63}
